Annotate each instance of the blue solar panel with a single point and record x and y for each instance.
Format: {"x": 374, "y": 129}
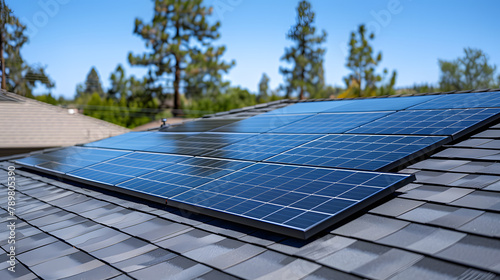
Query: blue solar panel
{"x": 126, "y": 167}
{"x": 309, "y": 107}
{"x": 381, "y": 104}
{"x": 111, "y": 142}
{"x": 262, "y": 146}
{"x": 429, "y": 122}
{"x": 285, "y": 198}
{"x": 199, "y": 144}
{"x": 330, "y": 123}
{"x": 463, "y": 100}
{"x": 183, "y": 176}
{"x": 68, "y": 159}
{"x": 260, "y": 123}
{"x": 139, "y": 141}
{"x": 365, "y": 152}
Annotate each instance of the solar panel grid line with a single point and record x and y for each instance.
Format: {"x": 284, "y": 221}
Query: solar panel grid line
{"x": 199, "y": 144}
{"x": 361, "y": 152}
{"x": 461, "y": 100}
{"x": 327, "y": 123}
{"x": 261, "y": 123}
{"x": 201, "y": 201}
{"x": 179, "y": 188}
{"x": 451, "y": 122}
{"x": 126, "y": 167}
{"x": 261, "y": 146}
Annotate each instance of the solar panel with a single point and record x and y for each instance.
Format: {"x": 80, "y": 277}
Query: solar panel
{"x": 295, "y": 200}
{"x": 199, "y": 144}
{"x": 462, "y": 100}
{"x": 330, "y": 123}
{"x": 177, "y": 178}
{"x": 380, "y": 104}
{"x": 262, "y": 146}
{"x": 454, "y": 122}
{"x": 260, "y": 123}
{"x": 365, "y": 152}
{"x": 126, "y": 167}
{"x": 200, "y": 125}
{"x": 138, "y": 141}
{"x": 309, "y": 107}
{"x": 68, "y": 159}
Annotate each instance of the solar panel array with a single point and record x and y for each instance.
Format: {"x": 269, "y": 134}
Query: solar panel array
{"x": 295, "y": 170}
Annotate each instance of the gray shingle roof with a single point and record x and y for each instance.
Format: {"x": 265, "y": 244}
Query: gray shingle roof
{"x": 29, "y": 123}
{"x": 445, "y": 225}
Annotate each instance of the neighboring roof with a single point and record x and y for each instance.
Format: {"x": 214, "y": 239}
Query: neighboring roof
{"x": 27, "y": 123}
{"x": 445, "y": 225}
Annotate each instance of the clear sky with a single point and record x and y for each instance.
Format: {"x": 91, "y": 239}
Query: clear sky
{"x": 71, "y": 36}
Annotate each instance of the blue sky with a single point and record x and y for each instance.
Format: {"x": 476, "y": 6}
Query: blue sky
{"x": 71, "y": 36}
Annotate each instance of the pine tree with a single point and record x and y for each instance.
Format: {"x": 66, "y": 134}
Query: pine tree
{"x": 362, "y": 63}
{"x": 306, "y": 76}
{"x": 179, "y": 37}
{"x": 263, "y": 95}
{"x": 17, "y": 75}
{"x": 93, "y": 83}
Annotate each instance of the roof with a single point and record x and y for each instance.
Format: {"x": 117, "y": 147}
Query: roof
{"x": 28, "y": 123}
{"x": 444, "y": 225}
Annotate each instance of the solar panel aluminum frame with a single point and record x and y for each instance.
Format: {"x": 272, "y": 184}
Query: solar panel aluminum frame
{"x": 290, "y": 230}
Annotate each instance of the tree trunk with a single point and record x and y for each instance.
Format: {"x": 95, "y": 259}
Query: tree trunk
{"x": 177, "y": 99}
{"x": 2, "y": 58}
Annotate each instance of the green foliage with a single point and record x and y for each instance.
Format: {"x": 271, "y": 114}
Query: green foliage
{"x": 364, "y": 81}
{"x": 179, "y": 38}
{"x": 126, "y": 103}
{"x": 47, "y": 98}
{"x": 17, "y": 75}
{"x": 307, "y": 74}
{"x": 469, "y": 72}
{"x": 235, "y": 97}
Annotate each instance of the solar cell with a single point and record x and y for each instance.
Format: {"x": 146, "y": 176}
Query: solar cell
{"x": 183, "y": 176}
{"x": 139, "y": 141}
{"x": 68, "y": 159}
{"x": 199, "y": 144}
{"x": 285, "y": 198}
{"x": 380, "y": 104}
{"x": 126, "y": 167}
{"x": 262, "y": 146}
{"x": 462, "y": 100}
{"x": 260, "y": 123}
{"x": 200, "y": 125}
{"x": 365, "y": 152}
{"x": 329, "y": 123}
{"x": 454, "y": 122}
{"x": 309, "y": 107}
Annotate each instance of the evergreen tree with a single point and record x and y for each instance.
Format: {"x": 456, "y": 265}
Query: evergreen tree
{"x": 93, "y": 83}
{"x": 362, "y": 63}
{"x": 17, "y": 75}
{"x": 263, "y": 95}
{"x": 469, "y": 72}
{"x": 179, "y": 37}
{"x": 306, "y": 76}
{"x": 204, "y": 73}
